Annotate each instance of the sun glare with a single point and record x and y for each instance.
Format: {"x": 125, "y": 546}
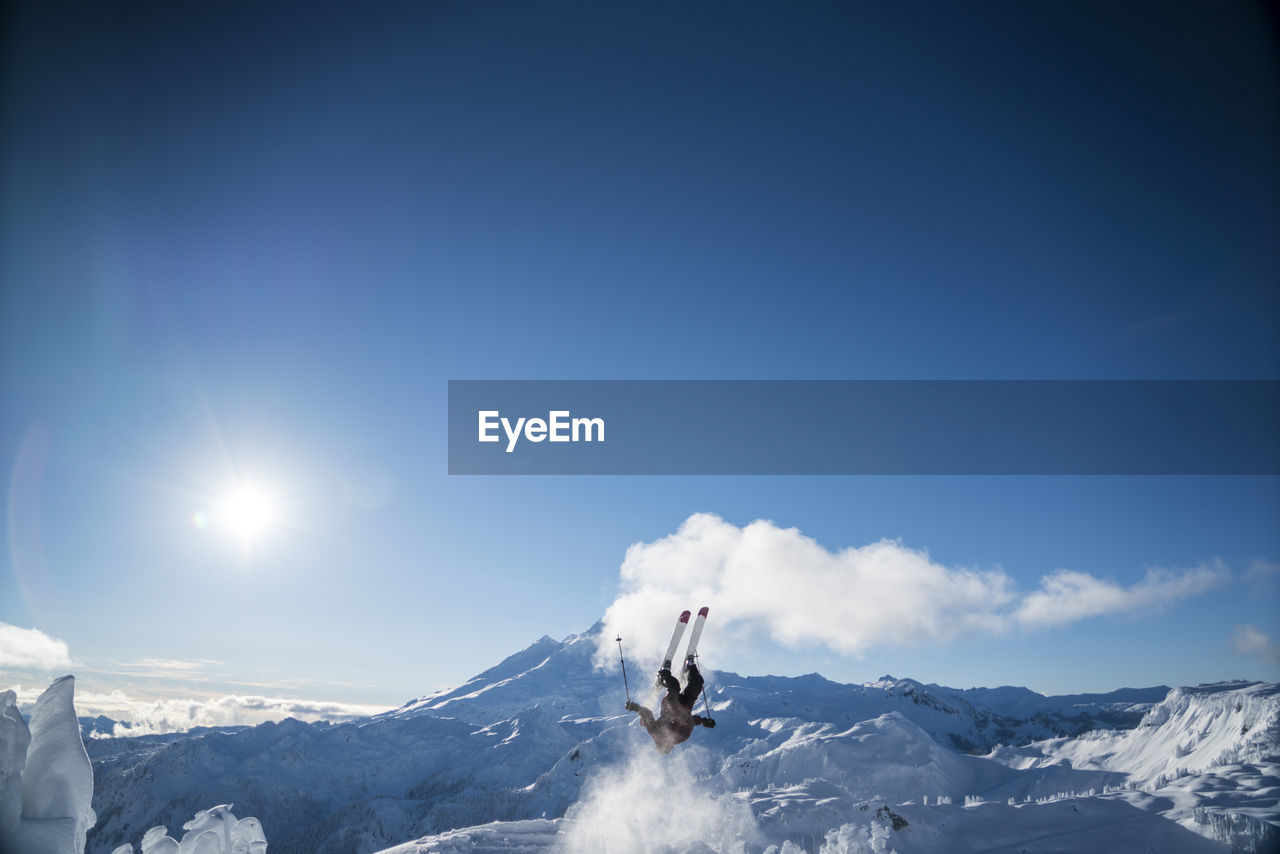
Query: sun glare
{"x": 247, "y": 511}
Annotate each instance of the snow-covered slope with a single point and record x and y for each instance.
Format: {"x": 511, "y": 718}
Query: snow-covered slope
{"x": 886, "y": 757}
{"x": 1192, "y": 731}
{"x": 540, "y": 744}
{"x": 556, "y": 676}
{"x": 1212, "y": 752}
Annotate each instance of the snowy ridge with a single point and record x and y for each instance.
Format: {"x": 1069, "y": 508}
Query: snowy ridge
{"x": 1192, "y": 731}
{"x": 886, "y": 757}
{"x": 1015, "y": 715}
{"x": 536, "y": 754}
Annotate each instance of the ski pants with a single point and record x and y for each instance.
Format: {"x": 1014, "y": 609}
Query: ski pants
{"x": 689, "y": 696}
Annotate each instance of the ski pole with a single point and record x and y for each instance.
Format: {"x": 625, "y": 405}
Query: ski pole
{"x": 705, "y": 704}
{"x": 624, "y": 669}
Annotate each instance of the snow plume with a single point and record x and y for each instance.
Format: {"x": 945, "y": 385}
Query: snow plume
{"x": 1067, "y": 596}
{"x": 763, "y": 580}
{"x": 31, "y": 648}
{"x": 653, "y": 803}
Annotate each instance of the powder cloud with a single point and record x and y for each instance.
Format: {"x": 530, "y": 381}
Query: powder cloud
{"x": 656, "y": 803}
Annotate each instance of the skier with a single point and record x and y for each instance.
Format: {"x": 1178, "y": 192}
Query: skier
{"x": 677, "y": 720}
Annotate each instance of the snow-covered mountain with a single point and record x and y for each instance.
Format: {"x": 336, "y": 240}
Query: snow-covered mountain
{"x": 540, "y": 745}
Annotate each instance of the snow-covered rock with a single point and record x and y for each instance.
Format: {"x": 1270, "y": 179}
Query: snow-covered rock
{"x": 15, "y": 738}
{"x": 45, "y": 760}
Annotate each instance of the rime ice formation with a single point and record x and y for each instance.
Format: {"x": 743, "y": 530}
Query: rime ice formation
{"x": 212, "y": 831}
{"x": 46, "y": 762}
{"x": 14, "y": 740}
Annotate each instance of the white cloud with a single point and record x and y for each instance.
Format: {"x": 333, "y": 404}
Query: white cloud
{"x": 31, "y": 649}
{"x": 767, "y": 581}
{"x": 171, "y": 665}
{"x": 160, "y": 668}
{"x": 137, "y": 716}
{"x": 1250, "y": 640}
{"x": 147, "y": 717}
{"x": 1262, "y": 570}
{"x": 1067, "y": 595}
{"x": 776, "y": 581}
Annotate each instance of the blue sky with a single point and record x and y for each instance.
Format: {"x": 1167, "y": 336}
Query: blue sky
{"x": 238, "y": 243}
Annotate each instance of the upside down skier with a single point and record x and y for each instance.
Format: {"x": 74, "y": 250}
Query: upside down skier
{"x": 677, "y": 720}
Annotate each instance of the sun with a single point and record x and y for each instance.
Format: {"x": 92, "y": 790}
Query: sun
{"x": 247, "y": 511}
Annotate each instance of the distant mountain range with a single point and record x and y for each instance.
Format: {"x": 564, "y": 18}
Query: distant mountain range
{"x": 541, "y": 745}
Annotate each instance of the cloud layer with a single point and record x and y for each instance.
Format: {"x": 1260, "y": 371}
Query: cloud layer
{"x": 148, "y": 717}
{"x": 31, "y": 649}
{"x": 232, "y": 710}
{"x": 763, "y": 580}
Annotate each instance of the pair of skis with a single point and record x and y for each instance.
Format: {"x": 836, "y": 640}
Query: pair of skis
{"x": 690, "y": 653}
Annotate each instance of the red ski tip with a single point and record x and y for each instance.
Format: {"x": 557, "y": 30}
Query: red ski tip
{"x": 702, "y": 612}
{"x": 684, "y": 618}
